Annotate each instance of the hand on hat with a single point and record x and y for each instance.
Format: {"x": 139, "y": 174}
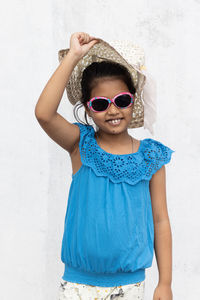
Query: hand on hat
{"x": 81, "y": 42}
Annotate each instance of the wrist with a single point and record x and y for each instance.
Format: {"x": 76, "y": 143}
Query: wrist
{"x": 75, "y": 57}
{"x": 164, "y": 283}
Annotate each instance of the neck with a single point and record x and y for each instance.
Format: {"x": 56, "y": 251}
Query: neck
{"x": 114, "y": 139}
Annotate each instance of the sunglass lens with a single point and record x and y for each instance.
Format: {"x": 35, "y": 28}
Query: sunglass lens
{"x": 123, "y": 100}
{"x": 100, "y": 104}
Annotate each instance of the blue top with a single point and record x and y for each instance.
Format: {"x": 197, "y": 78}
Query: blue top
{"x": 108, "y": 235}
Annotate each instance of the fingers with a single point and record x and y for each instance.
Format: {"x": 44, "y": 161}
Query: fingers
{"x": 85, "y": 38}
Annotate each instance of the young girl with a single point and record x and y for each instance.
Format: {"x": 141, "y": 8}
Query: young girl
{"x": 117, "y": 197}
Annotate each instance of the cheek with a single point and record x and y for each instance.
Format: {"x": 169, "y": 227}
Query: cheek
{"x": 128, "y": 112}
{"x": 98, "y": 116}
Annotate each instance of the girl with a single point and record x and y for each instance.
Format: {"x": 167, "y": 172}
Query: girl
{"x": 117, "y": 197}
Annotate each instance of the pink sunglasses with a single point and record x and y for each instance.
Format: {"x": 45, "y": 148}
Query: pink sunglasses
{"x": 122, "y": 100}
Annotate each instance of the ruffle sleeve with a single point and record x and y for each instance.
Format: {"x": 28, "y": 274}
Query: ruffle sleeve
{"x": 156, "y": 154}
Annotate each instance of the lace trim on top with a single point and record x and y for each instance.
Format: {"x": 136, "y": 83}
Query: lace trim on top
{"x": 130, "y": 168}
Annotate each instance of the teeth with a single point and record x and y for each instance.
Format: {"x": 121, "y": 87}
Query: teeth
{"x": 114, "y": 121}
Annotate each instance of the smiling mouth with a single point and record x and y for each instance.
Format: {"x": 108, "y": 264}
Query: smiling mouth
{"x": 114, "y": 122}
{"x": 114, "y": 119}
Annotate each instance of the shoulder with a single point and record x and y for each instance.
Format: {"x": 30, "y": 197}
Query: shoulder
{"x": 84, "y": 128}
{"x": 156, "y": 154}
{"x": 85, "y": 131}
{"x": 155, "y": 147}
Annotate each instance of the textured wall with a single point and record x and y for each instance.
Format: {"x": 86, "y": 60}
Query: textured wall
{"x": 36, "y": 172}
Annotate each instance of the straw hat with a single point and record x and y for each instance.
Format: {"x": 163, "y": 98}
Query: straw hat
{"x": 132, "y": 57}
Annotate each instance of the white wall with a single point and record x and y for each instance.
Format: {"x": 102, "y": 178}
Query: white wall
{"x": 36, "y": 172}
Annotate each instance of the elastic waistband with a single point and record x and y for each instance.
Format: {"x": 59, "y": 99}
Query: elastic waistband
{"x": 102, "y": 279}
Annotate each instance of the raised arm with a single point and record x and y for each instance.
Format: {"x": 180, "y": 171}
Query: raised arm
{"x": 52, "y": 93}
{"x": 60, "y": 130}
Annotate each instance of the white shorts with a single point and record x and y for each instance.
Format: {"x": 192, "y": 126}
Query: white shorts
{"x": 76, "y": 291}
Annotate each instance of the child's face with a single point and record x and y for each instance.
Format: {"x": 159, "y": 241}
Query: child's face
{"x": 110, "y": 88}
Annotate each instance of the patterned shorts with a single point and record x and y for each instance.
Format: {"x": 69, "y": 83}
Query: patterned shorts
{"x": 76, "y": 291}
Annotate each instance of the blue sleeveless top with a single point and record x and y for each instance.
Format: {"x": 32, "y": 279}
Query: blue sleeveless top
{"x": 108, "y": 235}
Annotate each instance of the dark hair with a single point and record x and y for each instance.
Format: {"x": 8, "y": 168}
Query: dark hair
{"x": 98, "y": 71}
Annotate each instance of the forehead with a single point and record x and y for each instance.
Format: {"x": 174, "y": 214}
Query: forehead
{"x": 109, "y": 87}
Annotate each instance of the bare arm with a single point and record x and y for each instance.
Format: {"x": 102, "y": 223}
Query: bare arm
{"x": 51, "y": 95}
{"x": 163, "y": 237}
{"x": 60, "y": 130}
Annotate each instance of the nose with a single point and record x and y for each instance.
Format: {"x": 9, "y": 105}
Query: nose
{"x": 112, "y": 108}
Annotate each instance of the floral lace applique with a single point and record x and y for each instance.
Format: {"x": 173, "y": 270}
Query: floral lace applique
{"x": 130, "y": 168}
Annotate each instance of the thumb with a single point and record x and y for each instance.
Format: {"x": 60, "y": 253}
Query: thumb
{"x": 88, "y": 46}
{"x": 92, "y": 43}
